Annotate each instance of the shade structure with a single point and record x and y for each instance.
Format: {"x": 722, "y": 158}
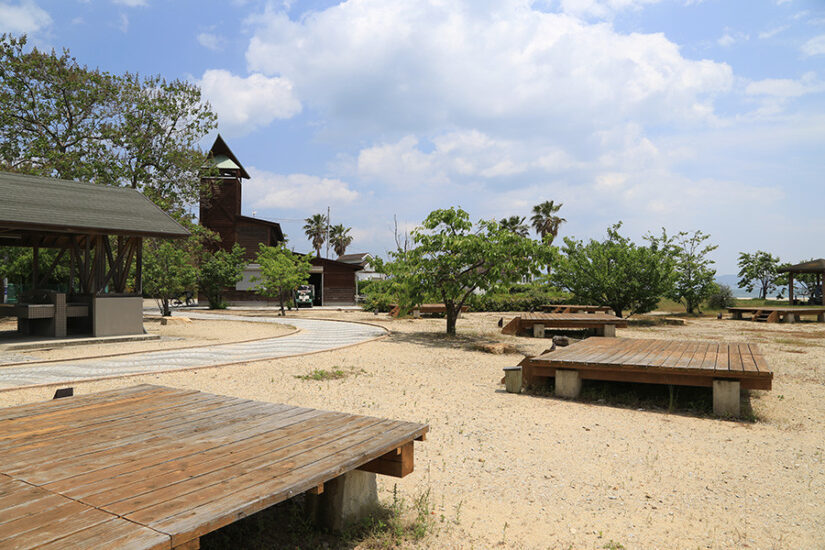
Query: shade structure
{"x": 812, "y": 266}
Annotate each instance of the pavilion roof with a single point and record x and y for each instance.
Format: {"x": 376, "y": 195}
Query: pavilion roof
{"x": 51, "y": 205}
{"x": 812, "y": 266}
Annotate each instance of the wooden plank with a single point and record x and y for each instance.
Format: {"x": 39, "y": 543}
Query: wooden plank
{"x": 722, "y": 359}
{"x": 113, "y": 533}
{"x": 734, "y": 358}
{"x": 397, "y": 463}
{"x": 748, "y": 363}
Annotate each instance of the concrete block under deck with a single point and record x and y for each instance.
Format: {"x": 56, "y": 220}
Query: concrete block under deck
{"x": 344, "y": 500}
{"x": 568, "y": 383}
{"x": 726, "y": 397}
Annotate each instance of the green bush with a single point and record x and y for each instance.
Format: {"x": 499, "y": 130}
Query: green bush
{"x": 525, "y": 297}
{"x": 721, "y": 297}
{"x": 378, "y": 295}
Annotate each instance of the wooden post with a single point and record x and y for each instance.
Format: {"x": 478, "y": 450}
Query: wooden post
{"x": 35, "y": 265}
{"x": 790, "y": 288}
{"x": 139, "y": 266}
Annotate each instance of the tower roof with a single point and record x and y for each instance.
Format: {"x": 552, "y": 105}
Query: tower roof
{"x": 223, "y": 157}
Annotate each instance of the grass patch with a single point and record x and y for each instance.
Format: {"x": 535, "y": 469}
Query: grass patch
{"x": 287, "y": 525}
{"x": 333, "y": 374}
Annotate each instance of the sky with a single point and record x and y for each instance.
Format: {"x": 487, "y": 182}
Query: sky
{"x": 684, "y": 114}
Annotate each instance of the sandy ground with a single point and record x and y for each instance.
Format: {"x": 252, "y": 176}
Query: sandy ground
{"x": 176, "y": 335}
{"x": 528, "y": 471}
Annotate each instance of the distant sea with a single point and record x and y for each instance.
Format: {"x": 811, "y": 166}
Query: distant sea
{"x": 732, "y": 281}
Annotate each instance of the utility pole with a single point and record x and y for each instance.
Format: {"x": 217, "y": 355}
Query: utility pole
{"x": 327, "y": 232}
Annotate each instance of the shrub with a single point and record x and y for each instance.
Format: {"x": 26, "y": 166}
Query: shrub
{"x": 721, "y": 297}
{"x": 523, "y": 297}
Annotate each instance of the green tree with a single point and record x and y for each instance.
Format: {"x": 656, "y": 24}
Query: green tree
{"x": 615, "y": 272}
{"x": 758, "y": 270}
{"x": 694, "y": 277}
{"x": 516, "y": 225}
{"x": 340, "y": 238}
{"x": 315, "y": 229}
{"x": 545, "y": 221}
{"x": 453, "y": 259}
{"x": 282, "y": 271}
{"x": 59, "y": 118}
{"x": 168, "y": 271}
{"x": 218, "y": 270}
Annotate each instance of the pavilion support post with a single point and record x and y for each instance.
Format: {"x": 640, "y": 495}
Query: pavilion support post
{"x": 71, "y": 267}
{"x": 790, "y": 288}
{"x": 35, "y": 266}
{"x": 139, "y": 266}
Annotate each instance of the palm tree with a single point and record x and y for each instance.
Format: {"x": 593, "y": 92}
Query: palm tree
{"x": 545, "y": 221}
{"x": 339, "y": 238}
{"x": 316, "y": 231}
{"x": 515, "y": 224}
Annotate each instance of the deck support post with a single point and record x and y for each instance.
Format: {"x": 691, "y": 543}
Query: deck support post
{"x": 538, "y": 331}
{"x": 737, "y": 315}
{"x": 789, "y": 318}
{"x": 345, "y": 500}
{"x": 726, "y": 397}
{"x": 416, "y": 313}
{"x": 568, "y": 383}
{"x": 820, "y": 318}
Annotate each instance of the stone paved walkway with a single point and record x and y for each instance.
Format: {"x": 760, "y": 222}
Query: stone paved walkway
{"x": 314, "y": 336}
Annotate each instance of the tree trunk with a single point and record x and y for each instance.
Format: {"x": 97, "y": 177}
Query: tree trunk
{"x": 166, "y": 311}
{"x": 281, "y": 301}
{"x": 452, "y": 315}
{"x": 617, "y": 311}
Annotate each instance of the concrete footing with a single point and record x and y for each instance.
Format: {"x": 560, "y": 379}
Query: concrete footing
{"x": 538, "y": 331}
{"x": 820, "y": 318}
{"x": 607, "y": 330}
{"x": 345, "y": 499}
{"x": 789, "y": 318}
{"x": 726, "y": 398}
{"x": 568, "y": 383}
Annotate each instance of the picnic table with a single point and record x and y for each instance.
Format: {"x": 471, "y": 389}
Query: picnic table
{"x": 574, "y": 308}
{"x": 157, "y": 467}
{"x": 771, "y": 314}
{"x": 724, "y": 366}
{"x": 44, "y": 319}
{"x": 417, "y": 311}
{"x": 603, "y": 324}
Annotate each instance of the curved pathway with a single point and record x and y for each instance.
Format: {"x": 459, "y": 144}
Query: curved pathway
{"x": 314, "y": 336}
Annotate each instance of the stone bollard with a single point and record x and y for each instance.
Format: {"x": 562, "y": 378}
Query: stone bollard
{"x": 512, "y": 379}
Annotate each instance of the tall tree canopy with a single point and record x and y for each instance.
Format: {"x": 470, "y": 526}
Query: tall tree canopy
{"x": 340, "y": 238}
{"x": 315, "y": 229}
{"x": 545, "y": 220}
{"x": 282, "y": 272}
{"x": 615, "y": 272}
{"x": 60, "y": 118}
{"x": 759, "y": 270}
{"x": 452, "y": 259}
{"x": 694, "y": 275}
{"x": 516, "y": 225}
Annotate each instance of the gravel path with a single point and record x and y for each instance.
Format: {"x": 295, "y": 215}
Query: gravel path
{"x": 314, "y": 336}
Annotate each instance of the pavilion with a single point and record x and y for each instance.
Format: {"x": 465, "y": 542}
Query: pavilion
{"x": 813, "y": 266}
{"x": 102, "y": 229}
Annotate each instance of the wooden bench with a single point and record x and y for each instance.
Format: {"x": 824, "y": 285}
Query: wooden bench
{"x": 726, "y": 367}
{"x": 602, "y": 324}
{"x": 419, "y": 310}
{"x": 156, "y": 467}
{"x": 573, "y": 308}
{"x": 777, "y": 314}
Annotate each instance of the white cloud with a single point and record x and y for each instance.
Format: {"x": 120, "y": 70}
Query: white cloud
{"x": 786, "y": 87}
{"x": 420, "y": 65}
{"x": 602, "y": 8}
{"x": 131, "y": 3}
{"x": 244, "y": 104}
{"x": 732, "y": 37}
{"x": 814, "y": 46}
{"x": 123, "y": 25}
{"x": 298, "y": 192}
{"x": 24, "y": 17}
{"x": 770, "y": 33}
{"x": 211, "y": 41}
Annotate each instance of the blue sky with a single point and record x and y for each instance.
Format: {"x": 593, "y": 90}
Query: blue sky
{"x": 686, "y": 114}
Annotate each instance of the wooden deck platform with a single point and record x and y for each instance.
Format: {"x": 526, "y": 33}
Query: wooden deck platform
{"x": 156, "y": 467}
{"x": 778, "y": 314}
{"x": 600, "y": 322}
{"x": 686, "y": 363}
{"x": 573, "y": 308}
{"x": 423, "y": 309}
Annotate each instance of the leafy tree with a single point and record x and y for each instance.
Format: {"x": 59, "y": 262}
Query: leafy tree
{"x": 316, "y": 231}
{"x": 282, "y": 271}
{"x": 59, "y": 118}
{"x": 452, "y": 260}
{"x": 516, "y": 225}
{"x": 218, "y": 270}
{"x": 694, "y": 276}
{"x": 545, "y": 221}
{"x": 615, "y": 272}
{"x": 721, "y": 297}
{"x": 759, "y": 270}
{"x": 168, "y": 271}
{"x": 340, "y": 238}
